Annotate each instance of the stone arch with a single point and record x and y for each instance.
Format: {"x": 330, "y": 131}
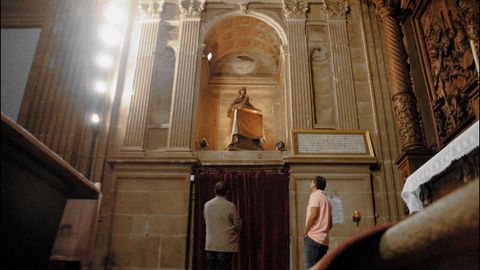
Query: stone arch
{"x": 220, "y": 79}
{"x": 257, "y": 15}
{"x": 160, "y": 98}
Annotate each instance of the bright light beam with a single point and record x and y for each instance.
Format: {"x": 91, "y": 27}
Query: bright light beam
{"x": 109, "y": 35}
{"x": 100, "y": 86}
{"x": 104, "y": 60}
{"x": 113, "y": 13}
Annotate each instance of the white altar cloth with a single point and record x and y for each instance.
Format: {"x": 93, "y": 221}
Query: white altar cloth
{"x": 459, "y": 147}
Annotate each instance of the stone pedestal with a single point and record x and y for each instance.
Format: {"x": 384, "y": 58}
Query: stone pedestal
{"x": 240, "y": 142}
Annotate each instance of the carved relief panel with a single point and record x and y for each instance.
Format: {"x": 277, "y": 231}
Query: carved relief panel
{"x": 447, "y": 28}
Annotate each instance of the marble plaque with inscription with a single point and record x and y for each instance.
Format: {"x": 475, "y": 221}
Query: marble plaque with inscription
{"x": 332, "y": 143}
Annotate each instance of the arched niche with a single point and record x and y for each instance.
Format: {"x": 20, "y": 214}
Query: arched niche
{"x": 323, "y": 89}
{"x": 246, "y": 52}
{"x": 160, "y": 98}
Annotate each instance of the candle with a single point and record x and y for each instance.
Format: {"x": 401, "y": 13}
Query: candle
{"x": 475, "y": 55}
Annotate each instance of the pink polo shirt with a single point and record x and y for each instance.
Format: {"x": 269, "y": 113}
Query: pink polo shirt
{"x": 321, "y": 226}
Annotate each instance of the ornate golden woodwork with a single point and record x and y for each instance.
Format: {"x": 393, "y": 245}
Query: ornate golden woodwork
{"x": 447, "y": 28}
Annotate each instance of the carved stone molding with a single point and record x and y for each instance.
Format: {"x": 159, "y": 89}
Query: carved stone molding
{"x": 405, "y": 109}
{"x": 151, "y": 8}
{"x": 295, "y": 8}
{"x": 191, "y": 9}
{"x": 336, "y": 9}
{"x": 243, "y": 7}
{"x": 285, "y": 49}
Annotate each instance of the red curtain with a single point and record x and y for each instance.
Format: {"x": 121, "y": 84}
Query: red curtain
{"x": 262, "y": 201}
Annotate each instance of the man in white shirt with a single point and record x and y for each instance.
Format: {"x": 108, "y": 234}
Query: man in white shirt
{"x": 222, "y": 229}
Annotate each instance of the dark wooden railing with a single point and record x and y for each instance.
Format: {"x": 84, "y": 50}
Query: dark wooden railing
{"x": 35, "y": 187}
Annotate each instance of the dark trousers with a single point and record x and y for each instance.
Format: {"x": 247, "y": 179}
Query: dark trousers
{"x": 219, "y": 260}
{"x": 313, "y": 252}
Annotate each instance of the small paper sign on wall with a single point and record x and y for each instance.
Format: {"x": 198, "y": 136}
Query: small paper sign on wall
{"x": 332, "y": 143}
{"x": 337, "y": 209}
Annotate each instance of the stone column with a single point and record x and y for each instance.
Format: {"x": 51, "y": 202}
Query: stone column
{"x": 137, "y": 115}
{"x": 414, "y": 153}
{"x": 341, "y": 63}
{"x": 300, "y": 83}
{"x": 403, "y": 99}
{"x": 179, "y": 136}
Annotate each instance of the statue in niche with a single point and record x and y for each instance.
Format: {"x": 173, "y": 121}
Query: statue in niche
{"x": 245, "y": 131}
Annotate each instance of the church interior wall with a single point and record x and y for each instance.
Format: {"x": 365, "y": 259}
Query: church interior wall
{"x": 145, "y": 185}
{"x": 215, "y": 94}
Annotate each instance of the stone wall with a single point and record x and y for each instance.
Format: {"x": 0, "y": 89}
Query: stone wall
{"x": 144, "y": 217}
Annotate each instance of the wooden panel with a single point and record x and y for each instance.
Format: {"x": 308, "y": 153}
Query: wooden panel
{"x": 35, "y": 186}
{"x": 445, "y": 30}
{"x": 24, "y": 13}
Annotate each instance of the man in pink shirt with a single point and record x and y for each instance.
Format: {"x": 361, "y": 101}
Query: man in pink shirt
{"x": 318, "y": 224}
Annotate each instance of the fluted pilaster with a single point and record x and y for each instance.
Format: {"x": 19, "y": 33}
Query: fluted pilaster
{"x": 403, "y": 99}
{"x": 300, "y": 84}
{"x": 179, "y": 136}
{"x": 341, "y": 63}
{"x": 57, "y": 96}
{"x": 137, "y": 116}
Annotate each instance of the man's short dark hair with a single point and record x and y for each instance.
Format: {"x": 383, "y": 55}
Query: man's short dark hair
{"x": 221, "y": 188}
{"x": 320, "y": 182}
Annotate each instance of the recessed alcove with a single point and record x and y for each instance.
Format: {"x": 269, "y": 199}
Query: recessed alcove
{"x": 246, "y": 52}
